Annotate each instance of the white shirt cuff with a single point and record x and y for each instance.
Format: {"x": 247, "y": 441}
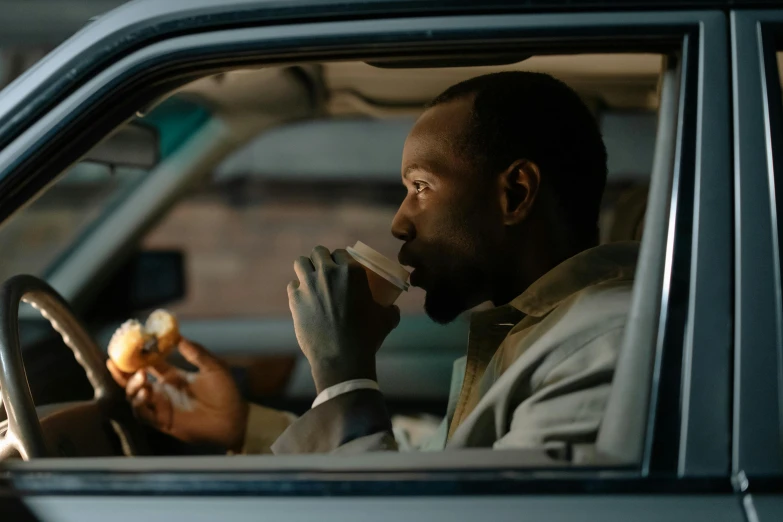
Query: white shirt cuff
{"x": 344, "y": 387}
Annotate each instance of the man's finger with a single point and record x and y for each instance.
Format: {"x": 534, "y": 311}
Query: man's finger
{"x": 342, "y": 257}
{"x": 292, "y": 287}
{"x": 302, "y": 267}
{"x": 140, "y": 398}
{"x": 174, "y": 376}
{"x": 144, "y": 408}
{"x": 321, "y": 257}
{"x": 165, "y": 372}
{"x": 198, "y": 356}
{"x": 153, "y": 409}
{"x": 136, "y": 383}
{"x": 119, "y": 376}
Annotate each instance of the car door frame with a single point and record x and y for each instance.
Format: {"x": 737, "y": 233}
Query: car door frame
{"x": 757, "y": 451}
{"x": 688, "y": 452}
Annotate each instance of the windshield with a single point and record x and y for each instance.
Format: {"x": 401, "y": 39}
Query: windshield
{"x": 35, "y": 238}
{"x": 38, "y": 237}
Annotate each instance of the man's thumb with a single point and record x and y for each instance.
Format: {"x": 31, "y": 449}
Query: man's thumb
{"x": 197, "y": 355}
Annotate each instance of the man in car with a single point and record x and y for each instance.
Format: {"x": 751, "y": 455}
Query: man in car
{"x": 505, "y": 174}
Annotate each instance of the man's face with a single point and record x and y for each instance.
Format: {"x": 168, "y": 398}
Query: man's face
{"x": 450, "y": 219}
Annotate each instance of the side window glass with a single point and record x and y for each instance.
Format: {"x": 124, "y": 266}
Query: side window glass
{"x": 47, "y": 229}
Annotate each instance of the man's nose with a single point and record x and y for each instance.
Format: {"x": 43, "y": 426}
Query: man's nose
{"x": 402, "y": 227}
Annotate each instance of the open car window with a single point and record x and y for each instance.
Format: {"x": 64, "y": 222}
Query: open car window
{"x": 648, "y": 110}
{"x": 335, "y": 180}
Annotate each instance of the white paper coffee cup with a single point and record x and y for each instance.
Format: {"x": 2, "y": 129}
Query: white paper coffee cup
{"x": 387, "y": 278}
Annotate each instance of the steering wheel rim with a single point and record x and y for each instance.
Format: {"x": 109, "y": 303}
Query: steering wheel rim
{"x": 24, "y": 427}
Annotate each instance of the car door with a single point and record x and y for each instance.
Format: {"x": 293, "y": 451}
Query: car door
{"x": 678, "y": 375}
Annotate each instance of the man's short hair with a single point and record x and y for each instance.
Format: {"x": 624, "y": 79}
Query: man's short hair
{"x": 533, "y": 116}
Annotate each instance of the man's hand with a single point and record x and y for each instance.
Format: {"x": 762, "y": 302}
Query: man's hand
{"x": 196, "y": 407}
{"x": 338, "y": 324}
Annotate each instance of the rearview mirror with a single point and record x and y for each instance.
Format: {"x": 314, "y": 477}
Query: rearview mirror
{"x": 132, "y": 145}
{"x": 149, "y": 279}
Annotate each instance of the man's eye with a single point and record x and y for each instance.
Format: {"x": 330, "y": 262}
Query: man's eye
{"x": 418, "y": 186}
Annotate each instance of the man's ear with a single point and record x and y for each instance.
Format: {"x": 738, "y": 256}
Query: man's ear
{"x": 519, "y": 185}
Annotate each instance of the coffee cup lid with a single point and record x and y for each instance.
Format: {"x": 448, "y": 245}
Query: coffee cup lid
{"x": 390, "y": 270}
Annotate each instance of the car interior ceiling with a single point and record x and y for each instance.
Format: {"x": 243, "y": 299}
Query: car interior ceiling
{"x": 618, "y": 84}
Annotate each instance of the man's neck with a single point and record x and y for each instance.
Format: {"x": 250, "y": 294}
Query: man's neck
{"x": 515, "y": 282}
{"x": 525, "y": 266}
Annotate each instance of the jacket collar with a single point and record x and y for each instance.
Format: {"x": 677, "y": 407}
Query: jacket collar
{"x": 610, "y": 262}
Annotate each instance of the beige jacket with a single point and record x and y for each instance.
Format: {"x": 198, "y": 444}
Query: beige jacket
{"x": 537, "y": 374}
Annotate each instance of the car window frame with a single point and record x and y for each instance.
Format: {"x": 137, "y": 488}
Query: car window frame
{"x": 758, "y": 147}
{"x": 705, "y": 31}
{"x": 694, "y": 358}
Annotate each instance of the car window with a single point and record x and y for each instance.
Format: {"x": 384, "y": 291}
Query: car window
{"x": 241, "y": 226}
{"x": 39, "y": 234}
{"x": 335, "y": 180}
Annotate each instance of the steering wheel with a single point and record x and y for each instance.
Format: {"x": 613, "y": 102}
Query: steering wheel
{"x": 69, "y": 425}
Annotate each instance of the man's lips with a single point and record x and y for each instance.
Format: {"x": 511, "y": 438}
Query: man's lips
{"x": 406, "y": 260}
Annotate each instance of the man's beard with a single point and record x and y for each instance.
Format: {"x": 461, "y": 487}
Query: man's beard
{"x": 446, "y": 300}
{"x": 454, "y": 279}
{"x": 441, "y": 309}
{"x": 456, "y": 269}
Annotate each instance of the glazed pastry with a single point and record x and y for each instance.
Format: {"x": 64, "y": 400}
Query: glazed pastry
{"x": 134, "y": 346}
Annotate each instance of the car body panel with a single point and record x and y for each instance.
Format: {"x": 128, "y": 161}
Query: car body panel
{"x": 689, "y": 473}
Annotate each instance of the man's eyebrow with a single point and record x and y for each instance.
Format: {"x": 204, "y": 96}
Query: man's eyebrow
{"x": 411, "y": 168}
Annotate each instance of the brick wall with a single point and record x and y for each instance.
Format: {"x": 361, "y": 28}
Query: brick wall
{"x": 240, "y": 256}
